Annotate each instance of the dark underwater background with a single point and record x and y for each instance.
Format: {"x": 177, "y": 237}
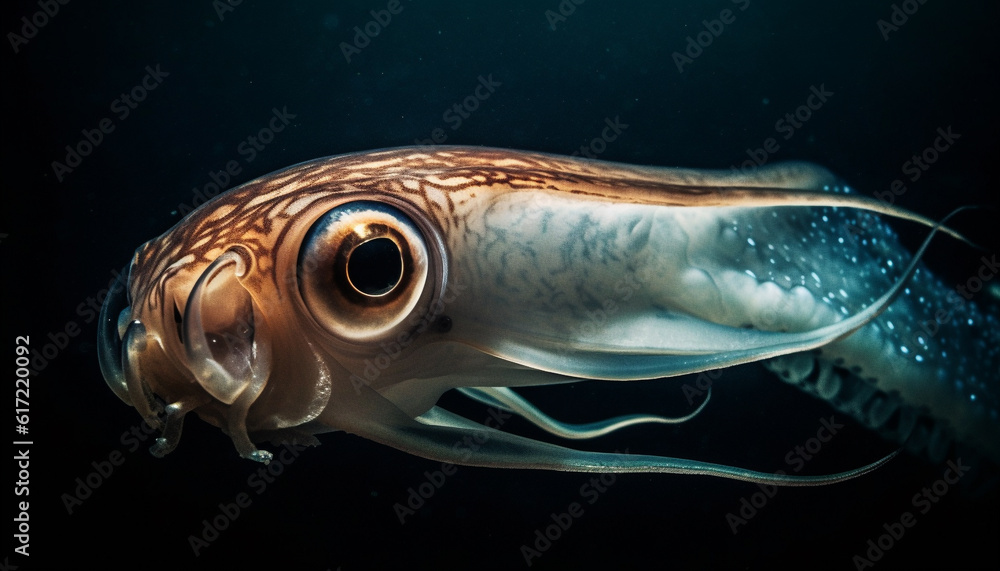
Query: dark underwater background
{"x": 563, "y": 69}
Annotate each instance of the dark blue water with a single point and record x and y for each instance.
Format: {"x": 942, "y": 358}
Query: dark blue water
{"x": 211, "y": 75}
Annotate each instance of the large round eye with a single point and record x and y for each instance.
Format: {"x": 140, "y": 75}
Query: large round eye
{"x": 364, "y": 267}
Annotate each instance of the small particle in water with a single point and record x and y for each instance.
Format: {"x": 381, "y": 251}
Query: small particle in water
{"x": 751, "y": 242}
{"x": 765, "y": 101}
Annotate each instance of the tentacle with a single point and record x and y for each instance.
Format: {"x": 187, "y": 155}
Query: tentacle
{"x": 109, "y": 337}
{"x": 174, "y": 423}
{"x": 446, "y": 437}
{"x": 506, "y": 399}
{"x": 440, "y": 435}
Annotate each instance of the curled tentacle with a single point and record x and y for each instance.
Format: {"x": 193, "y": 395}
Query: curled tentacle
{"x": 508, "y": 400}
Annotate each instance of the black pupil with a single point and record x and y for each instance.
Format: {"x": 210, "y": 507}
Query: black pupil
{"x": 375, "y": 266}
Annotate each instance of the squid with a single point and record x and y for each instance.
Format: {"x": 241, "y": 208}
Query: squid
{"x": 349, "y": 293}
